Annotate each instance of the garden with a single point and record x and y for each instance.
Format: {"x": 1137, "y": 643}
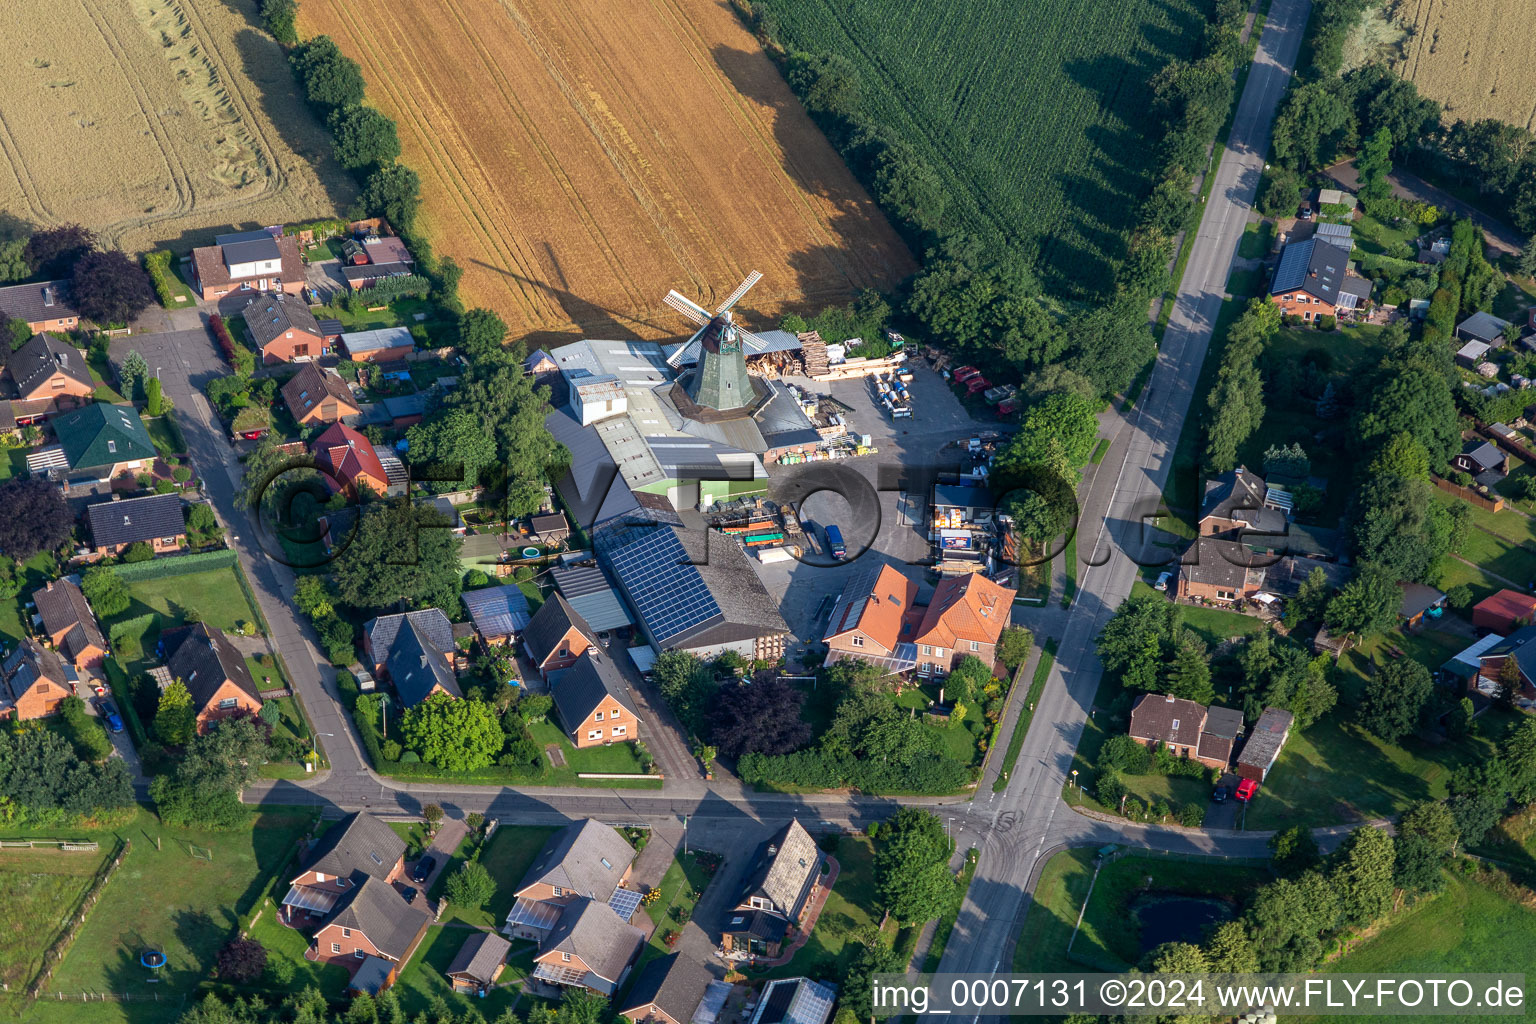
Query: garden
{"x": 678, "y": 893}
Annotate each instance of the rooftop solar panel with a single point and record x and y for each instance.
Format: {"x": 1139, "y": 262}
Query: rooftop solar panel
{"x": 664, "y": 586}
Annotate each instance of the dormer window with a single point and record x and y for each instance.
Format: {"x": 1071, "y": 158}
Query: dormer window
{"x": 112, "y": 447}
{"x": 565, "y": 958}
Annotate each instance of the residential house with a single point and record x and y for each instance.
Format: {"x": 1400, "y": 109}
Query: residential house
{"x": 1483, "y": 327}
{"x": 965, "y": 616}
{"x": 36, "y": 680}
{"x": 214, "y": 673}
{"x": 1222, "y": 571}
{"x": 668, "y": 991}
{"x": 1236, "y": 505}
{"x": 373, "y": 920}
{"x": 284, "y": 329}
{"x": 1265, "y": 741}
{"x": 479, "y": 963}
{"x": 97, "y": 442}
{"x": 349, "y": 461}
{"x": 1461, "y": 670}
{"x": 355, "y": 849}
{"x": 777, "y": 892}
{"x": 500, "y": 614}
{"x": 590, "y": 947}
{"x": 876, "y": 619}
{"x": 373, "y": 259}
{"x": 1185, "y": 728}
{"x": 155, "y": 519}
{"x": 556, "y": 636}
{"x": 385, "y": 345}
{"x": 44, "y": 305}
{"x": 1479, "y": 457}
{"x": 795, "y": 1001}
{"x": 1285, "y": 577}
{"x": 1312, "y": 280}
{"x": 315, "y": 395}
{"x": 589, "y": 591}
{"x": 585, "y": 860}
{"x": 1419, "y": 602}
{"x": 69, "y": 625}
{"x": 49, "y": 376}
{"x": 247, "y": 261}
{"x": 1504, "y": 612}
{"x": 1519, "y": 647}
{"x": 594, "y": 702}
{"x": 415, "y": 651}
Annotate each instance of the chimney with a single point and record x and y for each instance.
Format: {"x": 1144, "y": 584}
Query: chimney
{"x": 1169, "y": 699}
{"x": 47, "y": 295}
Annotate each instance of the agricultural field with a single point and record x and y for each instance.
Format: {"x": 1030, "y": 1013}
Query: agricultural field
{"x": 1471, "y": 57}
{"x": 578, "y": 160}
{"x": 1028, "y": 112}
{"x": 155, "y": 122}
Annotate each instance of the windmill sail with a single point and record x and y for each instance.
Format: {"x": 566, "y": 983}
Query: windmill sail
{"x": 720, "y": 381}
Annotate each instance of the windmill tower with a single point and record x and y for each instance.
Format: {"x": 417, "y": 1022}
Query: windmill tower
{"x": 720, "y": 381}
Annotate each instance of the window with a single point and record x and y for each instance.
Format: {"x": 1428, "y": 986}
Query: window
{"x": 359, "y": 954}
{"x": 1307, "y": 315}
{"x": 607, "y": 863}
{"x": 858, "y": 641}
{"x": 620, "y": 730}
{"x": 112, "y": 446}
{"x": 975, "y": 646}
{"x": 167, "y": 540}
{"x": 1175, "y": 725}
{"x": 594, "y": 734}
{"x": 938, "y": 652}
{"x": 925, "y": 649}
{"x": 558, "y": 891}
{"x": 228, "y": 703}
{"x": 597, "y": 717}
{"x": 565, "y": 958}
{"x": 335, "y": 947}
{"x": 346, "y": 933}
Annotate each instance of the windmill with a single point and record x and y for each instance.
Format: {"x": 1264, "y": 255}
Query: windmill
{"x": 720, "y": 382}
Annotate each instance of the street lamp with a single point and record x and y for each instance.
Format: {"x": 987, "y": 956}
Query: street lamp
{"x": 1074, "y": 778}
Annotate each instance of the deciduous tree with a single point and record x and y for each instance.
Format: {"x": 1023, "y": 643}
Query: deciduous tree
{"x": 105, "y": 590}
{"x": 1362, "y": 875}
{"x": 1395, "y": 697}
{"x": 400, "y": 552}
{"x": 762, "y": 717}
{"x": 36, "y": 518}
{"x": 175, "y": 718}
{"x": 363, "y": 137}
{"x": 393, "y": 192}
{"x": 53, "y": 252}
{"x": 455, "y": 735}
{"x": 471, "y": 886}
{"x": 110, "y": 288}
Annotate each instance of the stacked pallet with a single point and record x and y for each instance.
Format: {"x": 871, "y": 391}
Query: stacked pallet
{"x": 813, "y": 351}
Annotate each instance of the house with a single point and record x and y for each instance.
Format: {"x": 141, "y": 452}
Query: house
{"x": 35, "y": 681}
{"x": 247, "y": 261}
{"x": 1265, "y": 741}
{"x": 876, "y": 619}
{"x": 348, "y": 460}
{"x": 1236, "y": 504}
{"x": 556, "y": 636}
{"x": 585, "y": 860}
{"x": 589, "y": 947}
{"x": 1478, "y": 458}
{"x": 479, "y": 963}
{"x": 384, "y": 345}
{"x": 155, "y": 519}
{"x": 588, "y": 590}
{"x": 1419, "y": 602}
{"x": 1185, "y": 728}
{"x": 1221, "y": 571}
{"x": 687, "y": 598}
{"x": 550, "y": 529}
{"x": 50, "y": 373}
{"x": 405, "y": 410}
{"x": 356, "y": 848}
{"x": 668, "y": 991}
{"x": 1461, "y": 669}
{"x": 284, "y": 329}
{"x": 1519, "y": 647}
{"x": 1310, "y": 280}
{"x": 69, "y": 624}
{"x": 415, "y": 651}
{"x": 372, "y": 920}
{"x": 1284, "y": 579}
{"x": 965, "y": 616}
{"x": 1483, "y": 327}
{"x": 594, "y": 702}
{"x": 777, "y": 891}
{"x": 373, "y": 259}
{"x": 500, "y": 614}
{"x": 315, "y": 395}
{"x": 97, "y": 442}
{"x": 44, "y": 305}
{"x": 1504, "y": 612}
{"x": 795, "y": 1001}
{"x": 214, "y": 673}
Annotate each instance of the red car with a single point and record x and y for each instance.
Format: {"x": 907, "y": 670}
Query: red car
{"x": 1246, "y": 789}
{"x": 976, "y": 385}
{"x": 965, "y": 373}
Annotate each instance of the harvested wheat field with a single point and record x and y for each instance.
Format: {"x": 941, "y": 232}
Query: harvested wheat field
{"x": 155, "y": 121}
{"x": 1473, "y": 56}
{"x": 581, "y": 157}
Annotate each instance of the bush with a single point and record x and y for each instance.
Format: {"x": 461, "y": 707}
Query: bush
{"x": 280, "y": 971}
{"x": 181, "y": 565}
{"x": 138, "y": 551}
{"x": 392, "y": 750}
{"x": 523, "y": 573}
{"x": 1192, "y": 815}
{"x": 475, "y": 578}
{"x": 1459, "y": 597}
{"x": 410, "y": 757}
{"x": 241, "y": 961}
{"x": 157, "y": 265}
{"x": 1327, "y": 322}
{"x": 1126, "y": 755}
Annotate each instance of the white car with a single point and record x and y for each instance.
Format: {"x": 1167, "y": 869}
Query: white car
{"x": 1162, "y": 581}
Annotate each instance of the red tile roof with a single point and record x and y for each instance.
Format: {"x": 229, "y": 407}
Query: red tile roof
{"x": 969, "y": 607}
{"x": 349, "y": 455}
{"x": 874, "y": 604}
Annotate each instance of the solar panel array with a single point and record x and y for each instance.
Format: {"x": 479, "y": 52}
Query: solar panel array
{"x": 497, "y": 611}
{"x": 1292, "y": 270}
{"x": 665, "y": 588}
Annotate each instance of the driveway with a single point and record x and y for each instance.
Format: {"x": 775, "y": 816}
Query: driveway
{"x": 1409, "y": 186}
{"x": 450, "y": 835}
{"x": 122, "y": 743}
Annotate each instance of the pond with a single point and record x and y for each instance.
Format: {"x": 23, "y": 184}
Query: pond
{"x": 1173, "y": 917}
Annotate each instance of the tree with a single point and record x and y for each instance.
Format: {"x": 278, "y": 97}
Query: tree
{"x": 1176, "y": 958}
{"x": 1367, "y": 604}
{"x": 1374, "y": 164}
{"x": 1294, "y": 850}
{"x": 871, "y": 956}
{"x": 432, "y": 814}
{"x": 1038, "y": 469}
{"x": 363, "y": 137}
{"x": 1287, "y": 918}
{"x": 331, "y": 79}
{"x": 155, "y": 401}
{"x": 761, "y": 717}
{"x": 279, "y": 16}
{"x": 1415, "y": 400}
{"x": 1109, "y": 346}
{"x": 241, "y": 961}
{"x": 471, "y": 886}
{"x": 203, "y": 526}
{"x": 53, "y": 252}
{"x": 110, "y": 288}
{"x": 1236, "y": 402}
{"x": 456, "y": 444}
{"x": 105, "y": 590}
{"x": 36, "y": 518}
{"x": 1312, "y": 597}
{"x": 1132, "y": 640}
{"x": 912, "y": 873}
{"x": 1362, "y": 875}
{"x": 1189, "y": 671}
{"x": 481, "y": 331}
{"x": 1518, "y": 753}
{"x": 175, "y": 718}
{"x": 1230, "y": 950}
{"x": 203, "y": 791}
{"x": 1479, "y": 795}
{"x": 1510, "y": 682}
{"x": 1418, "y": 866}
{"x": 1281, "y": 195}
{"x": 133, "y": 372}
{"x": 1013, "y": 646}
{"x": 452, "y": 734}
{"x": 20, "y": 333}
{"x": 1311, "y": 126}
{"x": 1526, "y": 264}
{"x": 42, "y": 780}
{"x": 400, "y": 552}
{"x": 393, "y": 192}
{"x": 1395, "y": 698}
{"x": 687, "y": 685}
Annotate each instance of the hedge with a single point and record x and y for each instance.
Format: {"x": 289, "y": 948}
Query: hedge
{"x": 365, "y": 715}
{"x": 387, "y": 289}
{"x": 181, "y": 565}
{"x": 119, "y": 683}
{"x": 221, "y": 334}
{"x": 157, "y": 265}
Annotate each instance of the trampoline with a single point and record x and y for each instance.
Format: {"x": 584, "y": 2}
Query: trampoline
{"x": 152, "y": 958}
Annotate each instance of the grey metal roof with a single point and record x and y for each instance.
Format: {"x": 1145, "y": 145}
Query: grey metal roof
{"x": 379, "y": 911}
{"x": 497, "y": 611}
{"x": 592, "y": 595}
{"x": 685, "y": 457}
{"x": 1266, "y": 738}
{"x": 1487, "y": 455}
{"x": 383, "y": 630}
{"x": 378, "y": 340}
{"x": 39, "y": 359}
{"x": 356, "y": 847}
{"x": 552, "y": 621}
{"x": 673, "y": 984}
{"x": 203, "y": 658}
{"x": 1340, "y": 235}
{"x": 1483, "y": 327}
{"x": 1314, "y": 266}
{"x": 136, "y": 519}
{"x": 582, "y": 687}
{"x": 479, "y": 957}
{"x": 593, "y": 932}
{"x": 37, "y": 302}
{"x": 269, "y": 317}
{"x": 586, "y": 857}
{"x": 416, "y": 665}
{"x": 1223, "y": 722}
{"x": 401, "y": 406}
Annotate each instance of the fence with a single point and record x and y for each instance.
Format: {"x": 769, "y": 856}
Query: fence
{"x": 63, "y": 845}
{"x": 1493, "y": 504}
{"x": 1509, "y": 444}
{"x": 1137, "y": 851}
{"x": 54, "y": 954}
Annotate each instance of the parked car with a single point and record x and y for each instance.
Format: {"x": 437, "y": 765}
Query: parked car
{"x": 1220, "y": 794}
{"x": 108, "y": 712}
{"x": 409, "y": 892}
{"x": 1163, "y": 581}
{"x": 1246, "y": 789}
{"x": 423, "y": 869}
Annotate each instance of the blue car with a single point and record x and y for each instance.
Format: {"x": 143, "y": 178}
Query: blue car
{"x": 114, "y": 723}
{"x": 108, "y": 712}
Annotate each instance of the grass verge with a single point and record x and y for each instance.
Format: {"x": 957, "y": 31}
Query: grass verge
{"x": 1021, "y": 727}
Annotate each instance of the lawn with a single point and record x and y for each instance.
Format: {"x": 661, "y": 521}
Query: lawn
{"x": 182, "y": 297}
{"x": 399, "y": 313}
{"x": 612, "y": 758}
{"x": 34, "y": 573}
{"x": 1110, "y": 938}
{"x": 104, "y": 392}
{"x": 1256, "y": 240}
{"x": 215, "y": 594}
{"x": 1213, "y": 624}
{"x": 1246, "y": 282}
{"x": 850, "y": 909}
{"x": 282, "y": 941}
{"x": 617, "y": 758}
{"x": 39, "y": 891}
{"x": 168, "y": 899}
{"x": 1453, "y": 572}
{"x": 166, "y": 433}
{"x": 506, "y": 856}
{"x": 1371, "y": 235}
{"x": 424, "y": 979}
{"x": 681, "y": 887}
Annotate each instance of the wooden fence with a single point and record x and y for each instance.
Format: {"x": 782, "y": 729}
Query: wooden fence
{"x": 1492, "y": 504}
{"x": 54, "y": 954}
{"x": 1510, "y": 444}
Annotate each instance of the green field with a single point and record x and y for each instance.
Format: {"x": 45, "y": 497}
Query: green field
{"x": 507, "y": 856}
{"x": 39, "y": 890}
{"x": 215, "y": 594}
{"x": 1031, "y": 115}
